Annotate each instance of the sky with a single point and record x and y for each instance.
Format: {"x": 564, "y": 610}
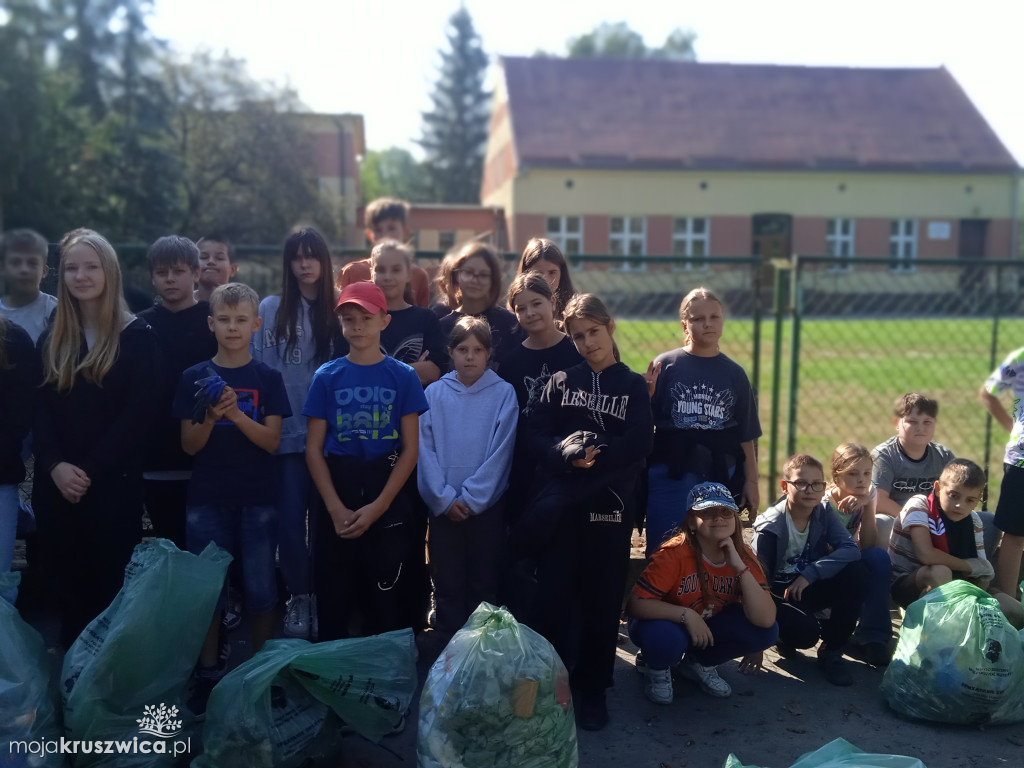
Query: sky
{"x": 380, "y": 59}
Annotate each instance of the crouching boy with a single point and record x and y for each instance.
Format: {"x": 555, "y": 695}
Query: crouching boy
{"x": 812, "y": 563}
{"x": 938, "y": 537}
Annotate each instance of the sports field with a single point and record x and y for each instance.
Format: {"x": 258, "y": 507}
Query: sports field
{"x": 850, "y": 372}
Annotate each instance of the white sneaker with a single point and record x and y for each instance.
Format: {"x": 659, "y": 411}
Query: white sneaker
{"x": 659, "y": 685}
{"x": 706, "y": 677}
{"x": 297, "y": 616}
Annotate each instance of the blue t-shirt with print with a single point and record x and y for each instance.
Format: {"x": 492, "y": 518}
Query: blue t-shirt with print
{"x": 230, "y": 468}
{"x": 363, "y": 405}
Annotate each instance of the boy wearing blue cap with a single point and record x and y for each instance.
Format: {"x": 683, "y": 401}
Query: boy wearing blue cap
{"x": 702, "y": 600}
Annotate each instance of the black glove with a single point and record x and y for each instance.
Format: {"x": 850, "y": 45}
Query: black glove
{"x": 575, "y": 445}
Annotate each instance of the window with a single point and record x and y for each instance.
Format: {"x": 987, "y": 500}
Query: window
{"x": 628, "y": 237}
{"x": 690, "y": 242}
{"x": 903, "y": 244}
{"x": 839, "y": 243}
{"x": 445, "y": 240}
{"x": 567, "y": 232}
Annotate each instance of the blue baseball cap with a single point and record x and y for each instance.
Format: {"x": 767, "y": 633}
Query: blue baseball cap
{"x": 708, "y": 495}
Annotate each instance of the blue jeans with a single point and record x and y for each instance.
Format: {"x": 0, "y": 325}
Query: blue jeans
{"x": 248, "y": 534}
{"x": 664, "y": 642}
{"x": 8, "y": 528}
{"x": 875, "y": 623}
{"x": 666, "y": 503}
{"x": 297, "y": 496}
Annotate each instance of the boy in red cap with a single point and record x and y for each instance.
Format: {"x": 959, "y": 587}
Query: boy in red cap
{"x": 361, "y": 446}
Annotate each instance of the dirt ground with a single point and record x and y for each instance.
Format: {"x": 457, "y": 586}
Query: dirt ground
{"x": 770, "y": 720}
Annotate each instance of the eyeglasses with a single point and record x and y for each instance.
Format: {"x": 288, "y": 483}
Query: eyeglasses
{"x": 803, "y": 486}
{"x": 467, "y": 275}
{"x": 712, "y": 512}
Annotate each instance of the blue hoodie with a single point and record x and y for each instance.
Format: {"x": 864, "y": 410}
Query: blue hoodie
{"x": 466, "y": 442}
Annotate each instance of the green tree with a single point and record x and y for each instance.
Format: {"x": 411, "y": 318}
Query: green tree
{"x": 618, "y": 41}
{"x": 391, "y": 172}
{"x": 248, "y": 161}
{"x": 455, "y": 129}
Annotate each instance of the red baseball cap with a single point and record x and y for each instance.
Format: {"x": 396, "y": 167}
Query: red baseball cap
{"x": 364, "y": 293}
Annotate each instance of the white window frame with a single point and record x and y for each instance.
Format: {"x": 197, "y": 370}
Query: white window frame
{"x": 904, "y": 243}
{"x": 625, "y": 240}
{"x": 840, "y": 245}
{"x": 683, "y": 243}
{"x": 562, "y": 236}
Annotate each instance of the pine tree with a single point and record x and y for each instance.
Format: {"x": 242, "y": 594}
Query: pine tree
{"x": 455, "y": 130}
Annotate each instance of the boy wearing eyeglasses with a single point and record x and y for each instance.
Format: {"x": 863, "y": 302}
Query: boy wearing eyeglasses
{"x": 812, "y": 563}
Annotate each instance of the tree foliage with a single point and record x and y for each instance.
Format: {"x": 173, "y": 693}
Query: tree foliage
{"x": 392, "y": 172}
{"x": 102, "y": 126}
{"x": 618, "y": 41}
{"x": 455, "y": 129}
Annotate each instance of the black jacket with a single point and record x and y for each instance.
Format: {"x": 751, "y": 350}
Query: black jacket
{"x": 102, "y": 429}
{"x": 18, "y": 381}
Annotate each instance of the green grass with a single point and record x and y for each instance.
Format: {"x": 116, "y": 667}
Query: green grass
{"x": 850, "y": 372}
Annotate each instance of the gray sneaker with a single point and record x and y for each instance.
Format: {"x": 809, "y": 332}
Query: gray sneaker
{"x": 297, "y": 617}
{"x": 706, "y": 677}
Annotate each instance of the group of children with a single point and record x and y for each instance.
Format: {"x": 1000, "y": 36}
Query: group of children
{"x": 336, "y": 427}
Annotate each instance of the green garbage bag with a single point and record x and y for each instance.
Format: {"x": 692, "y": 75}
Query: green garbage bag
{"x": 28, "y": 693}
{"x": 497, "y": 696}
{"x": 841, "y": 754}
{"x": 958, "y": 660}
{"x": 286, "y": 705}
{"x": 126, "y": 674}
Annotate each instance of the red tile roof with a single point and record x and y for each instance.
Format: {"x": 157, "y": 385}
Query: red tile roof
{"x": 611, "y": 113}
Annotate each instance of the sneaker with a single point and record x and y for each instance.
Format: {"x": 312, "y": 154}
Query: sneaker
{"x": 232, "y": 611}
{"x": 297, "y": 616}
{"x": 706, "y": 677}
{"x": 874, "y": 654}
{"x": 786, "y": 651}
{"x": 592, "y": 712}
{"x": 659, "y": 685}
{"x": 833, "y": 668}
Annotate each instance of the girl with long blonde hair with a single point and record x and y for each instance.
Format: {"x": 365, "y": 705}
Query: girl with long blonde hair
{"x": 95, "y": 411}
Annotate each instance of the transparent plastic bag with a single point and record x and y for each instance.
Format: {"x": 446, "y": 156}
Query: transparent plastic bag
{"x": 841, "y": 754}
{"x": 139, "y": 653}
{"x": 285, "y": 706}
{"x": 958, "y": 660}
{"x": 28, "y": 693}
{"x": 497, "y": 696}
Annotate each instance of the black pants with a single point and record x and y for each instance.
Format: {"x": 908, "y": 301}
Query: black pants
{"x": 842, "y": 594}
{"x": 87, "y": 545}
{"x": 465, "y": 559}
{"x": 368, "y": 577}
{"x": 580, "y": 579}
{"x": 165, "y": 503}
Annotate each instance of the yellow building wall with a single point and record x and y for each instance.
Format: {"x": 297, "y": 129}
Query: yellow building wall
{"x": 743, "y": 193}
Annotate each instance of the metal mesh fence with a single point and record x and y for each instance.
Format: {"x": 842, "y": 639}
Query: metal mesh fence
{"x": 860, "y": 335}
{"x": 827, "y": 347}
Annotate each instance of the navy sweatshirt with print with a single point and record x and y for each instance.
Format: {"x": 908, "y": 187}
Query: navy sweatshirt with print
{"x": 612, "y": 403}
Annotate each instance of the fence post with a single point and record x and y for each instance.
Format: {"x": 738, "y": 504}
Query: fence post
{"x": 795, "y": 307}
{"x": 773, "y": 440}
{"x": 992, "y": 361}
{"x": 755, "y": 378}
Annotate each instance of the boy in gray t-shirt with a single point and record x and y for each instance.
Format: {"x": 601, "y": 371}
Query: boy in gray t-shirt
{"x": 908, "y": 463}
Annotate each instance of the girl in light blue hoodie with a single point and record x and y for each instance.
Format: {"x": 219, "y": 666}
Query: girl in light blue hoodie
{"x": 466, "y": 442}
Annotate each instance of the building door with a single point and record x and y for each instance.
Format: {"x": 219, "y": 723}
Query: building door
{"x": 972, "y": 248}
{"x": 772, "y": 234}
